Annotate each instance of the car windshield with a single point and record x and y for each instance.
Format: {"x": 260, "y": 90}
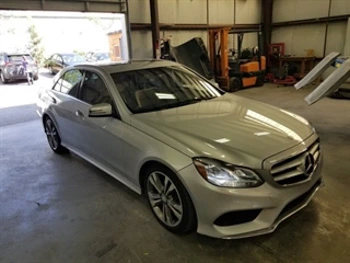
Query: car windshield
{"x": 162, "y": 88}
{"x": 72, "y": 58}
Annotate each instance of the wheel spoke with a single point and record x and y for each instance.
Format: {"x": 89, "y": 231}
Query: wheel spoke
{"x": 167, "y": 214}
{"x": 170, "y": 189}
{"x": 50, "y": 140}
{"x": 49, "y": 126}
{"x": 176, "y": 209}
{"x": 166, "y": 184}
{"x": 154, "y": 180}
{"x": 54, "y": 142}
{"x": 155, "y": 199}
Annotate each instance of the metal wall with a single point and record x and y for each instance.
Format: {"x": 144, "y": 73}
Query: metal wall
{"x": 302, "y": 25}
{"x": 111, "y": 6}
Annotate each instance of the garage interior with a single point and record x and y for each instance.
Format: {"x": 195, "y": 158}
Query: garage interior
{"x": 63, "y": 209}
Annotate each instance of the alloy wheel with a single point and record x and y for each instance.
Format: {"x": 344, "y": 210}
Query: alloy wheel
{"x": 51, "y": 133}
{"x": 2, "y": 77}
{"x": 164, "y": 198}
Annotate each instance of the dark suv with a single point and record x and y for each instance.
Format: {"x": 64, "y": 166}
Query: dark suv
{"x": 11, "y": 67}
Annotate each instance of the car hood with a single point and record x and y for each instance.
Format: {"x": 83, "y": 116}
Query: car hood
{"x": 230, "y": 128}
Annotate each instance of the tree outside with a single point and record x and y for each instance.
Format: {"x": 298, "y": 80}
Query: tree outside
{"x": 35, "y": 47}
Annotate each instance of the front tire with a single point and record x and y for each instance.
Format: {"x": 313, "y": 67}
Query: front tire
{"x": 235, "y": 84}
{"x": 53, "y": 137}
{"x": 169, "y": 200}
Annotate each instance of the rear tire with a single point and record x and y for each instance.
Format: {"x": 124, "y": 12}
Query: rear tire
{"x": 53, "y": 137}
{"x": 235, "y": 84}
{"x": 3, "y": 79}
{"x": 36, "y": 77}
{"x": 169, "y": 200}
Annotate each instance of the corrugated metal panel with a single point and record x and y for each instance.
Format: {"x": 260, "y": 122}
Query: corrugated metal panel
{"x": 299, "y": 9}
{"x": 110, "y": 6}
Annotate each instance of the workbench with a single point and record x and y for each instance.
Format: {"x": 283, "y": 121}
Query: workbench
{"x": 306, "y": 64}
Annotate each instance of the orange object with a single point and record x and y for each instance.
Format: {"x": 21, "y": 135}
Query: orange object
{"x": 248, "y": 82}
{"x": 234, "y": 73}
{"x": 250, "y": 66}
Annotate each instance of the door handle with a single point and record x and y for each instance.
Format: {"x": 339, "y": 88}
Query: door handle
{"x": 79, "y": 114}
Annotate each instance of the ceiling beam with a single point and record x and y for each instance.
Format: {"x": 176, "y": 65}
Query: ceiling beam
{"x": 319, "y": 20}
{"x": 147, "y": 26}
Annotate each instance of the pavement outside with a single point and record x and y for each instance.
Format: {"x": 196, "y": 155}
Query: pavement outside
{"x": 62, "y": 209}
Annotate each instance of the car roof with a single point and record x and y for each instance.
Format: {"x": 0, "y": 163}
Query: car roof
{"x": 68, "y": 54}
{"x": 114, "y": 66}
{"x": 65, "y": 54}
{"x": 17, "y": 54}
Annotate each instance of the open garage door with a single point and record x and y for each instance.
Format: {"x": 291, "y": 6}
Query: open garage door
{"x": 110, "y": 6}
{"x": 88, "y": 6}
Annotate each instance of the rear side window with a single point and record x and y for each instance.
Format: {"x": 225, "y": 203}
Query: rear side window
{"x": 13, "y": 58}
{"x": 69, "y": 83}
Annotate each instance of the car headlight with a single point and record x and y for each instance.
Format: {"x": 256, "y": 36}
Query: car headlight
{"x": 226, "y": 175}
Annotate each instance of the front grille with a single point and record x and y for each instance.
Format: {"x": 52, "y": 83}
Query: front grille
{"x": 298, "y": 168}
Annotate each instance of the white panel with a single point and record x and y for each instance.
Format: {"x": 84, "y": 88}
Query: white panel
{"x": 283, "y": 35}
{"x": 139, "y": 11}
{"x": 248, "y": 11}
{"x": 221, "y": 12}
{"x": 336, "y": 37}
{"x": 298, "y": 39}
{"x": 306, "y": 9}
{"x": 340, "y": 7}
{"x": 308, "y": 37}
{"x": 183, "y": 11}
{"x": 283, "y": 10}
{"x": 141, "y": 42}
{"x": 346, "y": 51}
{"x": 289, "y": 10}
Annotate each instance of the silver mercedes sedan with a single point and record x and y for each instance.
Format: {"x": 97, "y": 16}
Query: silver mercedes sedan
{"x": 210, "y": 161}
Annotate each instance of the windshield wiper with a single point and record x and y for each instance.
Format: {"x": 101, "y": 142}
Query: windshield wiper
{"x": 171, "y": 105}
{"x": 186, "y": 102}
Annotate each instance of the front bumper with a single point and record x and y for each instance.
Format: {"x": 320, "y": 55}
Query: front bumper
{"x": 275, "y": 204}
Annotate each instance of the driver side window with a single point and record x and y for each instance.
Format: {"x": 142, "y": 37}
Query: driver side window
{"x": 93, "y": 90}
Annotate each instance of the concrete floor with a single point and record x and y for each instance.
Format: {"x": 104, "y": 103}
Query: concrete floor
{"x": 62, "y": 209}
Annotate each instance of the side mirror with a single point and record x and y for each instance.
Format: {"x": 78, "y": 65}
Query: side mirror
{"x": 100, "y": 110}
